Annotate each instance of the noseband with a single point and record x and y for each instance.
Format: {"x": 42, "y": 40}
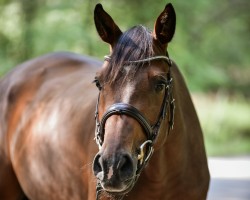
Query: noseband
{"x": 151, "y": 131}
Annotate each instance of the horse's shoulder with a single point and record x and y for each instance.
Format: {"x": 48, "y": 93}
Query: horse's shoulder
{"x": 22, "y": 83}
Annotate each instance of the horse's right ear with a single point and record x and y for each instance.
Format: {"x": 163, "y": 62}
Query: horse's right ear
{"x": 105, "y": 26}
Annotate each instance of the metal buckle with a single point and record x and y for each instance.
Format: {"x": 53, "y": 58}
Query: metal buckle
{"x": 141, "y": 155}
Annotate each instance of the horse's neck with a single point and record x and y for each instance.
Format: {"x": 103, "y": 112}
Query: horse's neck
{"x": 167, "y": 167}
{"x": 159, "y": 180}
{"x": 179, "y": 168}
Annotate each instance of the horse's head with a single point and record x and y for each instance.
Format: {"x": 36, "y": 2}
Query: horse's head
{"x": 135, "y": 95}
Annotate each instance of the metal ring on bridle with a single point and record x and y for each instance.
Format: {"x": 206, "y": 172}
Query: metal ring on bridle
{"x": 140, "y": 156}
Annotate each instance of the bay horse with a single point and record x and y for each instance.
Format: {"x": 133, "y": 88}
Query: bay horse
{"x": 149, "y": 140}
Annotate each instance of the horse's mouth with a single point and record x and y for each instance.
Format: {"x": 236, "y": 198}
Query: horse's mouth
{"x": 118, "y": 191}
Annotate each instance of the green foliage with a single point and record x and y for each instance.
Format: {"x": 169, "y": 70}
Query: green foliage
{"x": 225, "y": 123}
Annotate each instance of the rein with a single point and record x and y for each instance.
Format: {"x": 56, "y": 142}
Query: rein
{"x": 168, "y": 104}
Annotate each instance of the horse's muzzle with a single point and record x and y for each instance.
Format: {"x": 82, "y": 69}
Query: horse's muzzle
{"x": 116, "y": 172}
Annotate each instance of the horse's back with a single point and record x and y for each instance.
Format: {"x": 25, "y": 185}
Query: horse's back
{"x": 44, "y": 104}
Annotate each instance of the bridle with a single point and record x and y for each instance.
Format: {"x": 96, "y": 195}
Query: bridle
{"x": 151, "y": 131}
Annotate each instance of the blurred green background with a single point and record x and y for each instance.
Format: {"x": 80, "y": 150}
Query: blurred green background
{"x": 211, "y": 47}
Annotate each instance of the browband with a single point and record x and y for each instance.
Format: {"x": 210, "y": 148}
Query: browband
{"x": 165, "y": 58}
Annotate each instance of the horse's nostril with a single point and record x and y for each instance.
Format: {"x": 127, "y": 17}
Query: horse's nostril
{"x": 115, "y": 168}
{"x": 97, "y": 166}
{"x": 125, "y": 166}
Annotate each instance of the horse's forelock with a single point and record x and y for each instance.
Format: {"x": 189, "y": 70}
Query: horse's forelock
{"x": 134, "y": 44}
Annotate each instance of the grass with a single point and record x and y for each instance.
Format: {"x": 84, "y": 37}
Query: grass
{"x": 225, "y": 122}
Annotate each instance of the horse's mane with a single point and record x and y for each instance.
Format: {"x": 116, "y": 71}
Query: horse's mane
{"x": 134, "y": 44}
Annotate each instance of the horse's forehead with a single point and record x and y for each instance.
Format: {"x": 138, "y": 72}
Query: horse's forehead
{"x": 132, "y": 87}
{"x": 127, "y": 68}
{"x": 128, "y": 91}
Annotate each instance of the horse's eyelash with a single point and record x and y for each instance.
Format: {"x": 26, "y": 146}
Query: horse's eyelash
{"x": 97, "y": 83}
{"x": 161, "y": 80}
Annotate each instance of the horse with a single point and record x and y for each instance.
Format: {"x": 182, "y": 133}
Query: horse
{"x": 135, "y": 136}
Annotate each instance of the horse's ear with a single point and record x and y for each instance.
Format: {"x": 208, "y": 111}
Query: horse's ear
{"x": 165, "y": 25}
{"x": 105, "y": 26}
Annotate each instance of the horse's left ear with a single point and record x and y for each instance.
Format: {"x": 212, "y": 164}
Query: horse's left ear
{"x": 105, "y": 26}
{"x": 165, "y": 25}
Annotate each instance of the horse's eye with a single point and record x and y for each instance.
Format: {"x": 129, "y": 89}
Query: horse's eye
{"x": 159, "y": 87}
{"x": 97, "y": 83}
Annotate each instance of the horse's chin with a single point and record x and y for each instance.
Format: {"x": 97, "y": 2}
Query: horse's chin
{"x": 119, "y": 191}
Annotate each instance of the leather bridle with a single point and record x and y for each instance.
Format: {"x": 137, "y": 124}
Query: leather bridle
{"x": 151, "y": 131}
